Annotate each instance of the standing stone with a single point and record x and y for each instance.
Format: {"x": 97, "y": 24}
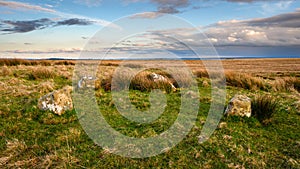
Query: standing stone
{"x": 239, "y": 105}
{"x": 57, "y": 101}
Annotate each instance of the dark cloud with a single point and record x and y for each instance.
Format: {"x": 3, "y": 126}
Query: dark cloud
{"x": 172, "y": 3}
{"x": 248, "y": 1}
{"x": 74, "y": 21}
{"x": 176, "y": 6}
{"x": 28, "y": 26}
{"x": 170, "y": 6}
{"x": 291, "y": 20}
{"x": 164, "y": 7}
{"x": 169, "y": 10}
{"x": 284, "y": 20}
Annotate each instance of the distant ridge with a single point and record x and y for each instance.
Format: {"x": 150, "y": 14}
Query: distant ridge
{"x": 161, "y": 58}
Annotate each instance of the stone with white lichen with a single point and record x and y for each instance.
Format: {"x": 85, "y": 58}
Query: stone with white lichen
{"x": 239, "y": 105}
{"x": 57, "y": 101}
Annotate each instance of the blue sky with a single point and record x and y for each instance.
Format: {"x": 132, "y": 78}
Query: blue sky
{"x": 62, "y": 28}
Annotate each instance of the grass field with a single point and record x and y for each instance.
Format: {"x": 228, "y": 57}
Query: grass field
{"x": 31, "y": 138}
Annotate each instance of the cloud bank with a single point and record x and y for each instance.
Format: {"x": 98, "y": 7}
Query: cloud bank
{"x": 276, "y": 35}
{"x": 180, "y": 6}
{"x": 28, "y": 26}
{"x": 30, "y": 7}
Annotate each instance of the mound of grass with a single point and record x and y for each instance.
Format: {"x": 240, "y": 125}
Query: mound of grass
{"x": 142, "y": 81}
{"x": 5, "y": 71}
{"x": 286, "y": 84}
{"x": 239, "y": 80}
{"x": 245, "y": 81}
{"x": 264, "y": 107}
{"x": 41, "y": 73}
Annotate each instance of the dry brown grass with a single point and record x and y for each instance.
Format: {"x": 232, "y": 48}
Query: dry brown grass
{"x": 24, "y": 80}
{"x": 10, "y": 158}
{"x": 245, "y": 81}
{"x": 5, "y": 71}
{"x": 41, "y": 73}
{"x": 64, "y": 62}
{"x": 15, "y": 62}
{"x": 286, "y": 84}
{"x": 251, "y": 82}
{"x": 13, "y": 149}
{"x": 141, "y": 81}
{"x": 264, "y": 67}
{"x": 241, "y": 80}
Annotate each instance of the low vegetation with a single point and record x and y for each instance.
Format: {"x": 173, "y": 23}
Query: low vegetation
{"x": 41, "y": 73}
{"x": 247, "y": 81}
{"x": 286, "y": 84}
{"x": 31, "y": 138}
{"x": 264, "y": 107}
{"x": 16, "y": 62}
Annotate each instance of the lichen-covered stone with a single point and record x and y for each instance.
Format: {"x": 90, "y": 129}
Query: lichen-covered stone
{"x": 239, "y": 105}
{"x": 86, "y": 82}
{"x": 57, "y": 101}
{"x": 159, "y": 78}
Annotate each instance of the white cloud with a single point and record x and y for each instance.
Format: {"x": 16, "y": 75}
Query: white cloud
{"x": 278, "y": 30}
{"x": 89, "y": 3}
{"x": 271, "y": 7}
{"x": 232, "y": 39}
{"x": 20, "y": 5}
{"x": 146, "y": 15}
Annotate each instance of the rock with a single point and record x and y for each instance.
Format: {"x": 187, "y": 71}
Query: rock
{"x": 239, "y": 105}
{"x": 159, "y": 78}
{"x": 86, "y": 82}
{"x": 57, "y": 101}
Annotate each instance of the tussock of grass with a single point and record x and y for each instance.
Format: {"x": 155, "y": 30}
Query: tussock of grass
{"x": 141, "y": 81}
{"x": 245, "y": 81}
{"x": 240, "y": 80}
{"x": 286, "y": 84}
{"x": 201, "y": 74}
{"x": 5, "y": 71}
{"x": 41, "y": 73}
{"x": 264, "y": 107}
{"x": 205, "y": 74}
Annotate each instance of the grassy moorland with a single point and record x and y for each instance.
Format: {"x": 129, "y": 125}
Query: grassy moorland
{"x": 31, "y": 138}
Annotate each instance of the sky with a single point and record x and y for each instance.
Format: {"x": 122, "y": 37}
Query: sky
{"x": 65, "y": 28}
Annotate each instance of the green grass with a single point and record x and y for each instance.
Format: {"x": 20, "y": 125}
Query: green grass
{"x": 31, "y": 138}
